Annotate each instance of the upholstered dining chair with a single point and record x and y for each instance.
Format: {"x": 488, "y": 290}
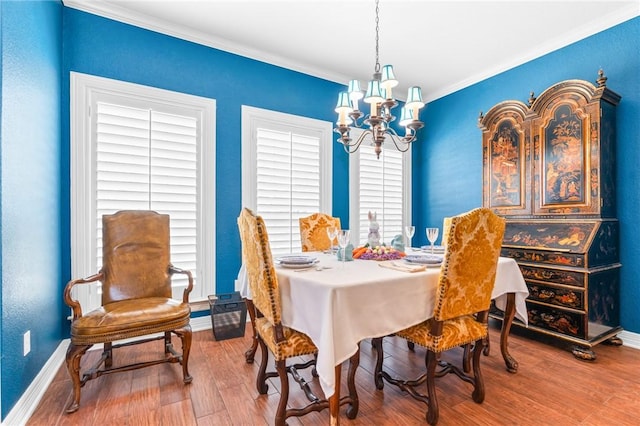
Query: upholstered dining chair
{"x": 461, "y": 308}
{"x": 136, "y": 299}
{"x": 446, "y": 224}
{"x": 273, "y": 337}
{"x": 313, "y": 231}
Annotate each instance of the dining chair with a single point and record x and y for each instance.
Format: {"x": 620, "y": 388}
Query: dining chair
{"x": 313, "y": 231}
{"x": 446, "y": 224}
{"x": 136, "y": 299}
{"x": 461, "y": 308}
{"x": 284, "y": 343}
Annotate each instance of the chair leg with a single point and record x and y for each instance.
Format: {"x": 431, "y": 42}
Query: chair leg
{"x": 167, "y": 342}
{"x": 466, "y": 358}
{"x": 186, "y": 335}
{"x": 433, "y": 412}
{"x": 108, "y": 352}
{"x": 74, "y": 355}
{"x": 251, "y": 352}
{"x": 281, "y": 418}
{"x": 478, "y": 385}
{"x": 261, "y": 378}
{"x": 377, "y": 372}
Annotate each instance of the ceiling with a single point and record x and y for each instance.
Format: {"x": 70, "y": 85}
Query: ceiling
{"x": 442, "y": 46}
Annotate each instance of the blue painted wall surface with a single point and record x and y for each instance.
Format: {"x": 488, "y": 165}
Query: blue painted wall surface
{"x": 30, "y": 176}
{"x": 102, "y": 47}
{"x": 42, "y": 41}
{"x": 448, "y": 161}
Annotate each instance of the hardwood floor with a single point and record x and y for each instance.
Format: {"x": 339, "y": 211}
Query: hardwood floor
{"x": 551, "y": 388}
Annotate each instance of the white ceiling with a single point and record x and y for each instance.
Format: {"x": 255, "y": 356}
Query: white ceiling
{"x": 442, "y": 46}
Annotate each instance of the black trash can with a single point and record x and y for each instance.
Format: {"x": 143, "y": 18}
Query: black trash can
{"x": 228, "y": 315}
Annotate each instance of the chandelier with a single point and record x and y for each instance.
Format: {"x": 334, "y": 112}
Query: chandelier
{"x": 380, "y": 96}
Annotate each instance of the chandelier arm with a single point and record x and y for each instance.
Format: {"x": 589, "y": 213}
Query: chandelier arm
{"x": 353, "y": 147}
{"x": 398, "y": 141}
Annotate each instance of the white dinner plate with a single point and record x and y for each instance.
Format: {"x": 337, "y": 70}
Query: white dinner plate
{"x": 424, "y": 259}
{"x": 436, "y": 249}
{"x": 296, "y": 260}
{"x": 299, "y": 265}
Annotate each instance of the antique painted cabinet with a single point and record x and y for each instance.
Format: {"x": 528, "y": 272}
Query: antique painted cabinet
{"x": 549, "y": 169}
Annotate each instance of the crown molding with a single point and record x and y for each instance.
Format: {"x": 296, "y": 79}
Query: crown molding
{"x": 112, "y": 10}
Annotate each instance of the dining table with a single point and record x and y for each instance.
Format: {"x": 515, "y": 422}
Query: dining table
{"x": 339, "y": 304}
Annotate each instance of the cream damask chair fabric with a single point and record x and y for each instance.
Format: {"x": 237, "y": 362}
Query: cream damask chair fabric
{"x": 461, "y": 308}
{"x": 446, "y": 224}
{"x": 313, "y": 231}
{"x": 273, "y": 337}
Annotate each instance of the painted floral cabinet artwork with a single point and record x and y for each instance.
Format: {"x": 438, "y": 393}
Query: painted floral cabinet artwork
{"x": 548, "y": 168}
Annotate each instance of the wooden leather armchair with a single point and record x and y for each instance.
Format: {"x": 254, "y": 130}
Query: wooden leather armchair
{"x": 273, "y": 337}
{"x": 461, "y": 308}
{"x": 136, "y": 299}
{"x": 313, "y": 231}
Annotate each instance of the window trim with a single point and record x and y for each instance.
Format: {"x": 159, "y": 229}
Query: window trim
{"x": 252, "y": 118}
{"x": 354, "y": 186}
{"x": 83, "y": 89}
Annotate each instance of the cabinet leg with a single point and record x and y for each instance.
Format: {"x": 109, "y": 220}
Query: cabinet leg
{"x": 584, "y": 354}
{"x": 613, "y": 341}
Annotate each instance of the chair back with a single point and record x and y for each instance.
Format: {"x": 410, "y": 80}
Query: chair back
{"x": 313, "y": 231}
{"x": 257, "y": 258}
{"x": 135, "y": 255}
{"x": 446, "y": 224}
{"x": 469, "y": 267}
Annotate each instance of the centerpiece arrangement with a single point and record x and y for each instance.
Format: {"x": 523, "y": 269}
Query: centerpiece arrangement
{"x": 381, "y": 252}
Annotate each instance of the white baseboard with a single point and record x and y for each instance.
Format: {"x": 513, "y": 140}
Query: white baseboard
{"x": 30, "y": 399}
{"x": 27, "y": 404}
{"x": 629, "y": 339}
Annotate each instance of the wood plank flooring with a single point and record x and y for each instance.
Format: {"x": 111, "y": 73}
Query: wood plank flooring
{"x": 551, "y": 388}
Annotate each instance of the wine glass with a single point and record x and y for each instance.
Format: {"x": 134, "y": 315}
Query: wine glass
{"x": 344, "y": 236}
{"x": 332, "y": 233}
{"x": 432, "y": 236}
{"x": 409, "y": 230}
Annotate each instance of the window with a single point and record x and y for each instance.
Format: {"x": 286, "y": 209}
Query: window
{"x": 379, "y": 185}
{"x": 286, "y": 172}
{"x": 141, "y": 148}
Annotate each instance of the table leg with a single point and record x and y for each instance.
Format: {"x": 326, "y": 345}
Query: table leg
{"x": 334, "y": 400}
{"x": 509, "y": 314}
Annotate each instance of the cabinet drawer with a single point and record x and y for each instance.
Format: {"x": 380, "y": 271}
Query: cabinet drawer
{"x": 561, "y": 296}
{"x": 557, "y": 276}
{"x": 557, "y": 320}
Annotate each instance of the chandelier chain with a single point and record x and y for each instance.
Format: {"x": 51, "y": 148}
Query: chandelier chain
{"x": 377, "y": 67}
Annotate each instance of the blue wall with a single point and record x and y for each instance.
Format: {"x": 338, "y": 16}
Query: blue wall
{"x": 41, "y": 42}
{"x": 30, "y": 176}
{"x": 448, "y": 166}
{"x": 98, "y": 46}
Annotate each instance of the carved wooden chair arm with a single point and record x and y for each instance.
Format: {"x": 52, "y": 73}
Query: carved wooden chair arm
{"x": 185, "y": 295}
{"x": 72, "y": 303}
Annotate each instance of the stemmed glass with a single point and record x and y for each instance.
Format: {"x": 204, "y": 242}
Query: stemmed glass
{"x": 343, "y": 240}
{"x": 409, "y": 230}
{"x": 332, "y": 233}
{"x": 432, "y": 236}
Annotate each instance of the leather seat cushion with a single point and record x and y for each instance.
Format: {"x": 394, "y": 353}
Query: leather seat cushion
{"x": 129, "y": 318}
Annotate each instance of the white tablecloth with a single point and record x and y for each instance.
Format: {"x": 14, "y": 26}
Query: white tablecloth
{"x": 341, "y": 306}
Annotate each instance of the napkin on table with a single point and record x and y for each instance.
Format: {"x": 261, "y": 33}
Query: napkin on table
{"x": 394, "y": 264}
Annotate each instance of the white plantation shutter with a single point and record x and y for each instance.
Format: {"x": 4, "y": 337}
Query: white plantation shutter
{"x": 381, "y": 191}
{"x": 380, "y": 185}
{"x": 147, "y": 160}
{"x": 135, "y": 147}
{"x": 288, "y": 184}
{"x": 286, "y": 172}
